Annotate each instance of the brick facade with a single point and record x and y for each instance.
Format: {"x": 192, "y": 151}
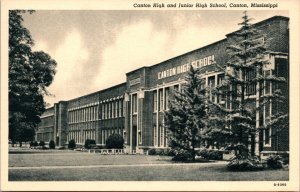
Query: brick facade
{"x": 135, "y": 108}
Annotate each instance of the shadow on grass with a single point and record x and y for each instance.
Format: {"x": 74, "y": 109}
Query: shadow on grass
{"x": 202, "y": 160}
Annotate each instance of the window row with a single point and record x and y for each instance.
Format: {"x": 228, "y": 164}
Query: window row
{"x": 81, "y": 137}
{"x": 108, "y": 110}
{"x": 161, "y": 98}
{"x": 84, "y": 126}
{"x": 112, "y": 109}
{"x": 160, "y": 138}
{"x": 83, "y": 115}
{"x": 212, "y": 82}
{"x": 47, "y": 121}
{"x": 46, "y": 136}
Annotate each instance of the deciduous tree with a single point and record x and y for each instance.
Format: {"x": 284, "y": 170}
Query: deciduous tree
{"x": 30, "y": 73}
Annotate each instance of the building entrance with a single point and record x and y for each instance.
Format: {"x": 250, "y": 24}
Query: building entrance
{"x": 133, "y": 139}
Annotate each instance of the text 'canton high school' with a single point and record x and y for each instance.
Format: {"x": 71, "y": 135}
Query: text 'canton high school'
{"x": 135, "y": 108}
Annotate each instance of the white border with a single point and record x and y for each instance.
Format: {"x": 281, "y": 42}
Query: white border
{"x": 292, "y": 6}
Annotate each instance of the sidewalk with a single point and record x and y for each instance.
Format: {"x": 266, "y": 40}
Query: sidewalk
{"x": 123, "y": 165}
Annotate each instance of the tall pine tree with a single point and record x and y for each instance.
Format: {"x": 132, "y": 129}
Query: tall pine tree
{"x": 186, "y": 117}
{"x": 247, "y": 76}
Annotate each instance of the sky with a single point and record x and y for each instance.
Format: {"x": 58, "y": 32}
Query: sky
{"x": 95, "y": 49}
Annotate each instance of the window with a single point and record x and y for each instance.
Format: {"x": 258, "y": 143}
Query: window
{"x": 89, "y": 113}
{"x": 162, "y": 135}
{"x": 103, "y": 111}
{"x": 176, "y": 87}
{"x": 167, "y": 91}
{"x": 102, "y": 133}
{"x": 84, "y": 114}
{"x": 134, "y": 103}
{"x": 124, "y": 109}
{"x": 92, "y": 110}
{"x": 202, "y": 83}
{"x": 112, "y": 109}
{"x": 267, "y": 120}
{"x": 161, "y": 100}
{"x": 117, "y": 108}
{"x": 211, "y": 85}
{"x": 80, "y": 115}
{"x": 221, "y": 97}
{"x": 97, "y": 112}
{"x": 109, "y": 110}
{"x": 267, "y": 83}
{"x": 70, "y": 116}
{"x": 267, "y": 136}
{"x": 155, "y": 135}
{"x": 124, "y": 137}
{"x": 154, "y": 100}
{"x": 267, "y": 112}
{"x": 140, "y": 137}
{"x": 166, "y": 137}
{"x": 281, "y": 67}
{"x": 251, "y": 87}
{"x": 120, "y": 107}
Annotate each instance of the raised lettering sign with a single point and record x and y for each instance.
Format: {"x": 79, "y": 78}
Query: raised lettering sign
{"x": 185, "y": 67}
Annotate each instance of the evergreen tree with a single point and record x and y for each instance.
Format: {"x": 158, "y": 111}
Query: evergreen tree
{"x": 278, "y": 121}
{"x": 186, "y": 117}
{"x": 245, "y": 79}
{"x": 29, "y": 75}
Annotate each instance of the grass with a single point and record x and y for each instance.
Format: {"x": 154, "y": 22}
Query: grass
{"x": 141, "y": 168}
{"x": 73, "y": 158}
{"x": 153, "y": 173}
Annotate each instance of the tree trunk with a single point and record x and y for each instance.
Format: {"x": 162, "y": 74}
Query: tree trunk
{"x": 20, "y": 143}
{"x": 193, "y": 152}
{"x": 252, "y": 144}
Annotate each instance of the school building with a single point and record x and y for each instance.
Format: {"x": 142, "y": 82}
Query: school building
{"x": 135, "y": 108}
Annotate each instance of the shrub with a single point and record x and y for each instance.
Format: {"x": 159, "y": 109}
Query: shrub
{"x": 72, "y": 144}
{"x": 182, "y": 155}
{"x": 203, "y": 153}
{"x": 171, "y": 152}
{"x": 42, "y": 143}
{"x": 241, "y": 163}
{"x": 285, "y": 158}
{"x": 52, "y": 144}
{"x": 275, "y": 162}
{"x": 115, "y": 141}
{"x": 33, "y": 144}
{"x": 89, "y": 143}
{"x": 211, "y": 154}
{"x": 152, "y": 152}
{"x": 161, "y": 152}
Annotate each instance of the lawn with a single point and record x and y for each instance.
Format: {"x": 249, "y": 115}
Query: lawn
{"x": 82, "y": 166}
{"x": 76, "y": 158}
